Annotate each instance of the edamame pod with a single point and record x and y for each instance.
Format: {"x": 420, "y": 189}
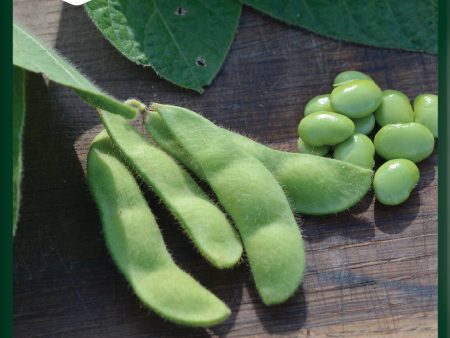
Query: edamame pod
{"x": 325, "y": 128}
{"x": 356, "y": 99}
{"x": 318, "y": 103}
{"x": 349, "y": 75}
{"x": 314, "y": 185}
{"x": 357, "y": 149}
{"x": 251, "y": 196}
{"x": 305, "y": 148}
{"x": 364, "y": 125}
{"x": 202, "y": 220}
{"x": 137, "y": 247}
{"x": 394, "y": 108}
{"x": 426, "y": 111}
{"x": 394, "y": 181}
{"x": 411, "y": 141}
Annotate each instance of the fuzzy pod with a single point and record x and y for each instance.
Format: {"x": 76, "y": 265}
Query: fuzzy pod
{"x": 251, "y": 196}
{"x": 205, "y": 224}
{"x": 137, "y": 247}
{"x": 314, "y": 185}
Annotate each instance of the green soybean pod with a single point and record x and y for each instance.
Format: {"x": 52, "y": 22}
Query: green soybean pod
{"x": 426, "y": 111}
{"x": 411, "y": 141}
{"x": 357, "y": 149}
{"x": 314, "y": 185}
{"x": 364, "y": 125}
{"x": 394, "y": 108}
{"x": 202, "y": 220}
{"x": 251, "y": 196}
{"x": 318, "y": 103}
{"x": 356, "y": 98}
{"x": 325, "y": 128}
{"x": 305, "y": 148}
{"x": 349, "y": 75}
{"x": 137, "y": 247}
{"x": 394, "y": 181}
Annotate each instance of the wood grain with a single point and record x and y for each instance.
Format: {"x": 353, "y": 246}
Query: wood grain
{"x": 372, "y": 270}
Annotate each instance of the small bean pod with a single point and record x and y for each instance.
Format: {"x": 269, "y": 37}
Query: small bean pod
{"x": 137, "y": 247}
{"x": 411, "y": 141}
{"x": 314, "y": 185}
{"x": 203, "y": 221}
{"x": 251, "y": 196}
{"x": 394, "y": 181}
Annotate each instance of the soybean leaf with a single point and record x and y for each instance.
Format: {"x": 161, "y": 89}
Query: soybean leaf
{"x": 409, "y": 25}
{"x": 19, "y": 77}
{"x": 185, "y": 41}
{"x": 29, "y": 53}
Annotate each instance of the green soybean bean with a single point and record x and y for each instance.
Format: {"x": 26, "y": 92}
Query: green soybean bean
{"x": 357, "y": 149}
{"x": 394, "y": 108}
{"x": 137, "y": 247}
{"x": 356, "y": 99}
{"x": 364, "y": 125}
{"x": 411, "y": 141}
{"x": 305, "y": 148}
{"x": 426, "y": 111}
{"x": 314, "y": 185}
{"x": 202, "y": 220}
{"x": 394, "y": 181}
{"x": 325, "y": 128}
{"x": 251, "y": 196}
{"x": 349, "y": 75}
{"x": 318, "y": 103}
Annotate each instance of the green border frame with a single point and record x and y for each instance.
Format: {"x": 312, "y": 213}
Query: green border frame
{"x": 6, "y": 170}
{"x": 444, "y": 206}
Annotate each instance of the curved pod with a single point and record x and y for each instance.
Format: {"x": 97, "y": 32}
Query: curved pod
{"x": 203, "y": 221}
{"x": 314, "y": 185}
{"x": 251, "y": 196}
{"x": 137, "y": 247}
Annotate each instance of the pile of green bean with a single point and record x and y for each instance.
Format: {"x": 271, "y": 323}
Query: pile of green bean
{"x": 340, "y": 122}
{"x": 256, "y": 186}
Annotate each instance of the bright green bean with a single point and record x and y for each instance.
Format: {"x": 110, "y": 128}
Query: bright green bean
{"x": 411, "y": 141}
{"x": 349, "y": 75}
{"x": 325, "y": 128}
{"x": 305, "y": 148}
{"x": 394, "y": 181}
{"x": 394, "y": 108}
{"x": 202, "y": 220}
{"x": 251, "y": 196}
{"x": 364, "y": 125}
{"x": 357, "y": 149}
{"x": 314, "y": 185}
{"x": 318, "y": 103}
{"x": 426, "y": 111}
{"x": 356, "y": 99}
{"x": 137, "y": 247}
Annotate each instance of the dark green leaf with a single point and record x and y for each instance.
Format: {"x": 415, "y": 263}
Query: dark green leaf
{"x": 184, "y": 41}
{"x": 18, "y": 121}
{"x": 410, "y": 24}
{"x": 31, "y": 54}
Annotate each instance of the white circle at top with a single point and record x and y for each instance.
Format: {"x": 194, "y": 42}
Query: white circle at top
{"x": 76, "y": 2}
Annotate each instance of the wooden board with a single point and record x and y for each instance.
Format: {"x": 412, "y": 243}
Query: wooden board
{"x": 372, "y": 271}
